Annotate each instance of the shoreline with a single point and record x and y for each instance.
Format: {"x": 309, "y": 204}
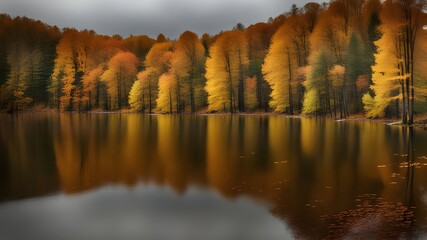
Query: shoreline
{"x": 420, "y": 122}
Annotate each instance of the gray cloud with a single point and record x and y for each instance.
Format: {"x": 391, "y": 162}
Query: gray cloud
{"x": 150, "y": 17}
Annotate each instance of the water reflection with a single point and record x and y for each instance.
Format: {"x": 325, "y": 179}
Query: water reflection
{"x": 316, "y": 175}
{"x": 146, "y": 212}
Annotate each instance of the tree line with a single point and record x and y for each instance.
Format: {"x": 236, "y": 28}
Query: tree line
{"x": 333, "y": 59}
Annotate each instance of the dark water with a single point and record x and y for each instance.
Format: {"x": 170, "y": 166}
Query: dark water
{"x": 108, "y": 176}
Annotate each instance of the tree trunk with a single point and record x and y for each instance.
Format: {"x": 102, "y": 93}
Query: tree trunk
{"x": 230, "y": 84}
{"x": 192, "y": 103}
{"x": 291, "y": 106}
{"x": 170, "y": 101}
{"x": 149, "y": 95}
{"x": 241, "y": 93}
{"x": 404, "y": 116}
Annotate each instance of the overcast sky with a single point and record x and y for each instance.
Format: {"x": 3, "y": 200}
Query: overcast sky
{"x": 151, "y": 17}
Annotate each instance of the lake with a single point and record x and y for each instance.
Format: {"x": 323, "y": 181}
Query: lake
{"x": 130, "y": 176}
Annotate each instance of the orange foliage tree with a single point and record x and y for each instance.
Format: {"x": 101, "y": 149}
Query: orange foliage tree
{"x": 119, "y": 77}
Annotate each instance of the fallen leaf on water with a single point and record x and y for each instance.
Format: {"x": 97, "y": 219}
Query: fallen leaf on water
{"x": 381, "y": 166}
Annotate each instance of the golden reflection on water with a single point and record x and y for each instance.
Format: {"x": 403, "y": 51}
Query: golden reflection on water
{"x": 304, "y": 168}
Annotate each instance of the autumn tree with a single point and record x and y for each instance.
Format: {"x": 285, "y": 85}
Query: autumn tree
{"x": 38, "y": 40}
{"x": 94, "y": 92}
{"x": 157, "y": 62}
{"x": 329, "y": 35}
{"x": 337, "y": 74}
{"x": 388, "y": 77}
{"x": 187, "y": 64}
{"x": 371, "y": 13}
{"x": 411, "y": 12}
{"x": 317, "y": 100}
{"x": 288, "y": 51}
{"x": 259, "y": 37}
{"x": 420, "y": 70}
{"x": 168, "y": 101}
{"x": 251, "y": 99}
{"x": 225, "y": 72}
{"x": 92, "y": 85}
{"x": 318, "y": 59}
{"x": 70, "y": 65}
{"x": 139, "y": 45}
{"x": 19, "y": 60}
{"x": 347, "y": 10}
{"x": 239, "y": 27}
{"x": 401, "y": 21}
{"x": 356, "y": 65}
{"x": 119, "y": 77}
{"x": 207, "y": 42}
{"x": 161, "y": 38}
{"x": 135, "y": 97}
{"x": 311, "y": 13}
{"x": 328, "y": 44}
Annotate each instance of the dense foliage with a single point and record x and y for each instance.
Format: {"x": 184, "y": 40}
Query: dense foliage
{"x": 341, "y": 58}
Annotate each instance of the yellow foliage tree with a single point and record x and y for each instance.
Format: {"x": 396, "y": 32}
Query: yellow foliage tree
{"x": 386, "y": 77}
{"x": 136, "y": 97}
{"x": 157, "y": 62}
{"x": 280, "y": 67}
{"x": 167, "y": 101}
{"x": 225, "y": 72}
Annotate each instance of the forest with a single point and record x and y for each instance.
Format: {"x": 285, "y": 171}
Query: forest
{"x": 335, "y": 59}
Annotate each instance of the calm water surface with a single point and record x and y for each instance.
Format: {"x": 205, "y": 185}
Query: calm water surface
{"x": 111, "y": 176}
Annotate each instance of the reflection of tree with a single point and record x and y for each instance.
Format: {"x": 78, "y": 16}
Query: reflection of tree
{"x": 92, "y": 150}
{"x": 410, "y": 156}
{"x": 410, "y": 172}
{"x": 303, "y": 168}
{"x": 181, "y": 150}
{"x": 27, "y": 166}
